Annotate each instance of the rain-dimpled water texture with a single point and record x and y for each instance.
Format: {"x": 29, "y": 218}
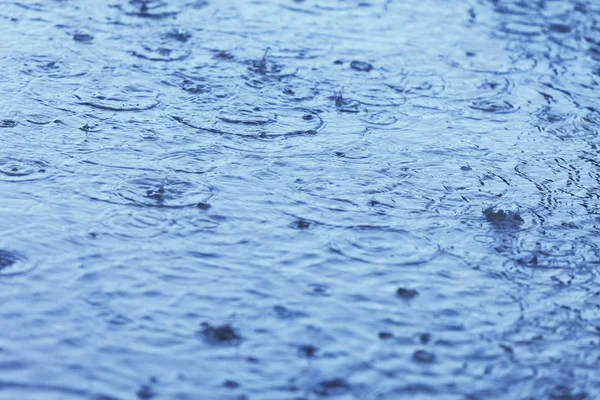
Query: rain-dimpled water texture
{"x": 299, "y": 199}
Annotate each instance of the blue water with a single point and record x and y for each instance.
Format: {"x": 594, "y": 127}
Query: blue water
{"x": 277, "y": 199}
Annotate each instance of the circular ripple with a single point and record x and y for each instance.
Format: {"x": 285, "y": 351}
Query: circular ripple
{"x": 494, "y": 107}
{"x": 494, "y": 62}
{"x": 375, "y": 94}
{"x": 412, "y": 85}
{"x": 268, "y": 67}
{"x": 455, "y": 87}
{"x": 385, "y": 246}
{"x": 339, "y": 5}
{"x": 52, "y": 67}
{"x": 462, "y": 88}
{"x": 379, "y": 118}
{"x": 13, "y": 263}
{"x": 154, "y": 191}
{"x": 295, "y": 92}
{"x": 160, "y": 54}
{"x": 306, "y": 53}
{"x": 40, "y": 119}
{"x": 127, "y": 98}
{"x": 146, "y": 223}
{"x": 22, "y": 169}
{"x": 257, "y": 122}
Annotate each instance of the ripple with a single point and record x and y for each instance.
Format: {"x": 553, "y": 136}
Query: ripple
{"x": 398, "y": 248}
{"x": 83, "y": 37}
{"x": 547, "y": 200}
{"x": 179, "y": 35}
{"x": 267, "y": 67}
{"x": 379, "y": 118}
{"x": 149, "y": 9}
{"x": 195, "y": 88}
{"x": 229, "y": 161}
{"x": 24, "y": 390}
{"x": 519, "y": 8}
{"x": 331, "y": 5}
{"x": 297, "y": 92}
{"x": 150, "y": 190}
{"x": 473, "y": 89}
{"x": 589, "y": 124}
{"x": 205, "y": 93}
{"x": 14, "y": 169}
{"x": 495, "y": 62}
{"x": 161, "y": 54}
{"x": 305, "y": 52}
{"x": 375, "y": 94}
{"x": 503, "y": 218}
{"x": 40, "y": 119}
{"x": 190, "y": 161}
{"x": 415, "y": 85}
{"x": 13, "y": 263}
{"x": 523, "y": 29}
{"x": 8, "y": 123}
{"x": 361, "y": 66}
{"x": 127, "y": 98}
{"x": 149, "y": 222}
{"x": 494, "y": 107}
{"x": 257, "y": 122}
{"x": 53, "y": 67}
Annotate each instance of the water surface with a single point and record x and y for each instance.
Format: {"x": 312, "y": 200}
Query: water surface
{"x": 304, "y": 199}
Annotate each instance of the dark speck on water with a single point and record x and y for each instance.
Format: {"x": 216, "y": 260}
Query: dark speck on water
{"x": 146, "y": 392}
{"x": 224, "y": 55}
{"x": 363, "y": 199}
{"x": 179, "y": 35}
{"x": 424, "y": 357}
{"x": 6, "y": 259}
{"x": 224, "y": 334}
{"x": 308, "y": 350}
{"x": 339, "y": 99}
{"x": 88, "y": 128}
{"x": 560, "y": 28}
{"x": 83, "y": 37}
{"x": 503, "y": 217}
{"x": 385, "y": 335}
{"x": 334, "y": 387}
{"x": 407, "y": 294}
{"x": 203, "y": 206}
{"x": 231, "y": 384}
{"x": 361, "y": 66}
{"x": 7, "y": 123}
{"x": 300, "y": 224}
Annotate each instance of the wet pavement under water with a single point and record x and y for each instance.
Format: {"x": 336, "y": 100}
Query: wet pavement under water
{"x": 277, "y": 199}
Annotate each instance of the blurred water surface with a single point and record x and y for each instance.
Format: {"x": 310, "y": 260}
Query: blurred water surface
{"x": 277, "y": 199}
